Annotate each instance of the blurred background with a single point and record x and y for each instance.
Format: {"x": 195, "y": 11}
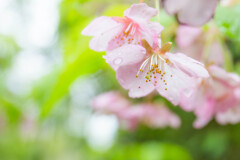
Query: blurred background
{"x": 48, "y": 77}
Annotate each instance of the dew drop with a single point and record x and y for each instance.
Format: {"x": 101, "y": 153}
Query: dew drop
{"x": 117, "y": 61}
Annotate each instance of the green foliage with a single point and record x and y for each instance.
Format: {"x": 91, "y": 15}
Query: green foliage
{"x": 228, "y": 21}
{"x": 146, "y": 151}
{"x": 156, "y": 151}
{"x": 8, "y": 49}
{"x": 115, "y": 10}
{"x": 85, "y": 64}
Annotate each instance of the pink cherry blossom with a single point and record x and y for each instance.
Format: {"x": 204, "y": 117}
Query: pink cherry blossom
{"x": 170, "y": 74}
{"x": 215, "y": 96}
{"x": 192, "y": 41}
{"x": 154, "y": 116}
{"x": 130, "y": 116}
{"x": 231, "y": 116}
{"x": 110, "y": 102}
{"x": 194, "y": 13}
{"x": 112, "y": 32}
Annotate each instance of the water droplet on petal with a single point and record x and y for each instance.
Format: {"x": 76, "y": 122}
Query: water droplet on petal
{"x": 117, "y": 61}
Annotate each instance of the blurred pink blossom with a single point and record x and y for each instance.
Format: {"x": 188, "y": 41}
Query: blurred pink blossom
{"x": 192, "y": 41}
{"x": 130, "y": 116}
{"x": 112, "y": 32}
{"x": 170, "y": 74}
{"x": 110, "y": 102}
{"x": 193, "y": 13}
{"x": 216, "y": 96}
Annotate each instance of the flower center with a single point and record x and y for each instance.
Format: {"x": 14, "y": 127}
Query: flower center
{"x": 153, "y": 68}
{"x": 128, "y": 35}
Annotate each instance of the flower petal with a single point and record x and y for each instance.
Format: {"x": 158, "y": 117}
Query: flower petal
{"x": 156, "y": 27}
{"x": 174, "y": 83}
{"x": 99, "y": 26}
{"x": 100, "y": 43}
{"x": 126, "y": 76}
{"x": 231, "y": 116}
{"x": 188, "y": 65}
{"x": 140, "y": 12}
{"x": 174, "y": 6}
{"x": 110, "y": 102}
{"x": 228, "y": 79}
{"x": 194, "y": 100}
{"x": 191, "y": 13}
{"x": 150, "y": 32}
{"x": 197, "y": 13}
{"x": 187, "y": 35}
{"x": 125, "y": 55}
{"x": 205, "y": 112}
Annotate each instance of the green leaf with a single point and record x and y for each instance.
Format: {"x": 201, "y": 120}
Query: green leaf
{"x": 228, "y": 21}
{"x": 116, "y": 10}
{"x": 162, "y": 151}
{"x": 9, "y": 49}
{"x": 88, "y": 62}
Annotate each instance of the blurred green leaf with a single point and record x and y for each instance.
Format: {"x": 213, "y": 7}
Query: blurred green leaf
{"x": 12, "y": 109}
{"x": 173, "y": 152}
{"x": 87, "y": 63}
{"x": 215, "y": 143}
{"x": 115, "y": 10}
{"x": 9, "y": 48}
{"x": 228, "y": 21}
{"x": 148, "y": 151}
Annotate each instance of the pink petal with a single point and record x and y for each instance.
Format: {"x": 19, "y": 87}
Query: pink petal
{"x": 110, "y": 102}
{"x": 100, "y": 42}
{"x": 204, "y": 113}
{"x": 140, "y": 12}
{"x": 237, "y": 93}
{"x": 158, "y": 116}
{"x": 188, "y": 65}
{"x": 174, "y": 6}
{"x": 231, "y": 116}
{"x": 191, "y": 13}
{"x": 125, "y": 55}
{"x": 175, "y": 121}
{"x": 228, "y": 79}
{"x": 99, "y": 25}
{"x": 156, "y": 27}
{"x": 123, "y": 39}
{"x": 151, "y": 32}
{"x": 126, "y": 76}
{"x": 195, "y": 99}
{"x": 217, "y": 54}
{"x": 187, "y": 35}
{"x": 174, "y": 83}
{"x": 197, "y": 13}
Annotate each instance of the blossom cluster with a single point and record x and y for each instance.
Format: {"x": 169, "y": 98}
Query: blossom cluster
{"x": 144, "y": 65}
{"x": 130, "y": 115}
